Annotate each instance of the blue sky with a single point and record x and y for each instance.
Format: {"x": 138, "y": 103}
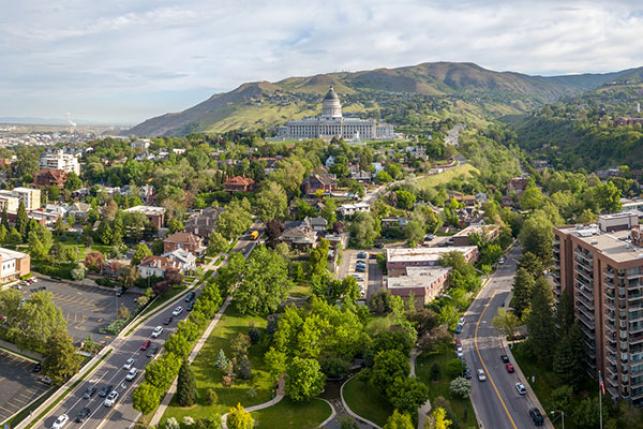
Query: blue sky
{"x": 123, "y": 61}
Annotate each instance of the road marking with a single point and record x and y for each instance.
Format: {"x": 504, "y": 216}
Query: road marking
{"x": 493, "y": 384}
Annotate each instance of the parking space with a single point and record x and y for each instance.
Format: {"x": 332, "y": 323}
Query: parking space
{"x": 19, "y": 385}
{"x": 363, "y": 266}
{"x": 85, "y": 308}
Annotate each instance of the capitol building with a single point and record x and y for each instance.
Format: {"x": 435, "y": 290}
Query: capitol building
{"x": 331, "y": 124}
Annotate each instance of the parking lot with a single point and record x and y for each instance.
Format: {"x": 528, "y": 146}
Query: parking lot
{"x": 371, "y": 279}
{"x": 19, "y": 385}
{"x": 85, "y": 308}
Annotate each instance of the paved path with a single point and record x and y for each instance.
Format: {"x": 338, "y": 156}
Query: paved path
{"x": 426, "y": 407}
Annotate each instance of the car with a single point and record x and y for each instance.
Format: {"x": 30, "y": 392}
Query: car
{"x": 157, "y": 331}
{"x": 104, "y": 391}
{"x": 168, "y": 320}
{"x": 111, "y": 398}
{"x": 360, "y": 269}
{"x": 502, "y": 260}
{"x": 36, "y": 368}
{"x": 131, "y": 375}
{"x": 190, "y": 296}
{"x": 505, "y": 358}
{"x": 458, "y": 329}
{"x": 120, "y": 291}
{"x": 429, "y": 237}
{"x": 481, "y": 375}
{"x": 467, "y": 373}
{"x": 510, "y": 368}
{"x": 82, "y": 415}
{"x": 461, "y": 321}
{"x": 522, "y": 390}
{"x": 358, "y": 277}
{"x": 146, "y": 345}
{"x": 152, "y": 352}
{"x": 46, "y": 380}
{"x": 362, "y": 255}
{"x": 458, "y": 352}
{"x": 537, "y": 417}
{"x": 190, "y": 306}
{"x": 178, "y": 310}
{"x": 129, "y": 363}
{"x": 60, "y": 421}
{"x": 89, "y": 392}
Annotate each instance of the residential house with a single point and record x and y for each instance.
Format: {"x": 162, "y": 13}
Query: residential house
{"x": 156, "y": 266}
{"x": 79, "y": 210}
{"x": 185, "y": 260}
{"x": 299, "y": 234}
{"x": 518, "y": 185}
{"x": 319, "y": 224}
{"x": 156, "y": 215}
{"x": 464, "y": 237}
{"x": 319, "y": 182}
{"x": 203, "y": 222}
{"x": 48, "y": 177}
{"x": 350, "y": 209}
{"x": 239, "y": 184}
{"x": 183, "y": 240}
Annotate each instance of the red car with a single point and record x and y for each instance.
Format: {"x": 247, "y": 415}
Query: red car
{"x": 146, "y": 345}
{"x": 510, "y": 368}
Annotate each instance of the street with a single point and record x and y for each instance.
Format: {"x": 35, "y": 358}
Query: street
{"x": 497, "y": 403}
{"x": 111, "y": 372}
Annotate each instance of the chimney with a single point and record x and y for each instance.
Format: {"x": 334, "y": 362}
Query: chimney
{"x": 636, "y": 235}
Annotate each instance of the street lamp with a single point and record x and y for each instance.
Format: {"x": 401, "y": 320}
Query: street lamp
{"x": 562, "y": 415}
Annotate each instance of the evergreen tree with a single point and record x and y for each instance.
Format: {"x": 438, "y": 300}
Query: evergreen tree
{"x": 186, "y": 386}
{"x": 22, "y": 220}
{"x": 523, "y": 288}
{"x": 540, "y": 323}
{"x": 568, "y": 357}
{"x": 5, "y": 218}
{"x": 222, "y": 361}
{"x": 564, "y": 314}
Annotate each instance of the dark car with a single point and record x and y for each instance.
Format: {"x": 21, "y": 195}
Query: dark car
{"x": 536, "y": 417}
{"x": 467, "y": 373}
{"x": 190, "y": 306}
{"x": 89, "y": 392}
{"x": 168, "y": 320}
{"x": 36, "y": 368}
{"x": 505, "y": 358}
{"x": 120, "y": 291}
{"x": 153, "y": 351}
{"x": 458, "y": 329}
{"x": 146, "y": 345}
{"x": 83, "y": 414}
{"x": 190, "y": 296}
{"x": 362, "y": 255}
{"x": 104, "y": 391}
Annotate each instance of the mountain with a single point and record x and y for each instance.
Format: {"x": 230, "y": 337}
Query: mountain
{"x": 406, "y": 96}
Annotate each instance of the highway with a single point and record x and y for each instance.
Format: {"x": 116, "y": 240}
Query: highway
{"x": 497, "y": 403}
{"x": 122, "y": 415}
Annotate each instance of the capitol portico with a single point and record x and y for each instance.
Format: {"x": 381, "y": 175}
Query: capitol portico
{"x": 331, "y": 123}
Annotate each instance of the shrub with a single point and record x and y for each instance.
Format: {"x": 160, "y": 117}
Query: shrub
{"x": 211, "y": 396}
{"x": 460, "y": 387}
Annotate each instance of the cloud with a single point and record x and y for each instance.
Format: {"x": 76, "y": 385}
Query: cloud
{"x": 125, "y": 60}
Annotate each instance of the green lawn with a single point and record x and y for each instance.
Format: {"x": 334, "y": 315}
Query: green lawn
{"x": 366, "y": 401}
{"x": 208, "y": 376}
{"x": 428, "y": 182}
{"x": 462, "y": 409}
{"x": 292, "y": 415}
{"x": 300, "y": 290}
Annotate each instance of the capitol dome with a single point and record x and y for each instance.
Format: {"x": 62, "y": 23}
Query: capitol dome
{"x": 332, "y": 107}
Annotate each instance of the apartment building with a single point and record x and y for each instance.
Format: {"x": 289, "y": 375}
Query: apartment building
{"x": 8, "y": 201}
{"x": 601, "y": 267}
{"x": 59, "y": 160}
{"x": 29, "y": 196}
{"x": 13, "y": 265}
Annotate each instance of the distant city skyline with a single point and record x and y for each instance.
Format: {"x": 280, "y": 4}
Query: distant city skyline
{"x": 123, "y": 62}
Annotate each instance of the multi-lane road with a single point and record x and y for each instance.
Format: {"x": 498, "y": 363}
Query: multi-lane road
{"x": 122, "y": 415}
{"x": 497, "y": 403}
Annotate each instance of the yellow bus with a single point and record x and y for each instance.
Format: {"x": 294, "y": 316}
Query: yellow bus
{"x": 254, "y": 234}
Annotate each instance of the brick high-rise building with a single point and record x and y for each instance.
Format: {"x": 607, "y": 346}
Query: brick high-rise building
{"x": 601, "y": 267}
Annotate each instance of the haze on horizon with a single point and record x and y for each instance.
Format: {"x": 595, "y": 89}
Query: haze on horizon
{"x": 125, "y": 61}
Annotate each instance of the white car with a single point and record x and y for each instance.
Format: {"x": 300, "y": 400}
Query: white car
{"x": 481, "y": 375}
{"x": 458, "y": 351}
{"x": 128, "y": 363}
{"x": 461, "y": 321}
{"x": 111, "y": 398}
{"x": 522, "y": 390}
{"x": 131, "y": 375}
{"x": 157, "y": 331}
{"x": 502, "y": 260}
{"x": 60, "y": 421}
{"x": 178, "y": 310}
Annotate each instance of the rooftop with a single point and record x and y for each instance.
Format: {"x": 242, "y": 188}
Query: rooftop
{"x": 421, "y": 254}
{"x": 148, "y": 210}
{"x": 616, "y": 245}
{"x": 10, "y": 254}
{"x": 417, "y": 277}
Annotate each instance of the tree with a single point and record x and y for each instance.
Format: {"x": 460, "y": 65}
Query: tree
{"x": 39, "y": 320}
{"x": 78, "y": 272}
{"x": 607, "y": 197}
{"x": 413, "y": 233}
{"x": 404, "y": 199}
{"x": 94, "y": 261}
{"x": 329, "y": 211}
{"x": 222, "y": 361}
{"x": 61, "y": 360}
{"x": 387, "y": 366}
{"x": 175, "y": 225}
{"x": 40, "y": 240}
{"x": 186, "y": 386}
{"x": 271, "y": 201}
{"x": 399, "y": 421}
{"x": 438, "y": 419}
{"x": 73, "y": 182}
{"x": 536, "y": 236}
{"x": 304, "y": 379}
{"x": 364, "y": 230}
{"x": 523, "y": 288}
{"x": 540, "y": 323}
{"x": 235, "y": 219}
{"x": 123, "y": 313}
{"x": 407, "y": 394}
{"x": 217, "y": 243}
{"x": 507, "y": 322}
{"x": 460, "y": 387}
{"x": 22, "y": 220}
{"x": 146, "y": 398}
{"x": 532, "y": 198}
{"x": 140, "y": 252}
{"x": 568, "y": 357}
{"x": 239, "y": 418}
{"x": 276, "y": 362}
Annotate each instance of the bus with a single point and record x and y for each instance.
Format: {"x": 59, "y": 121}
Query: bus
{"x": 254, "y": 234}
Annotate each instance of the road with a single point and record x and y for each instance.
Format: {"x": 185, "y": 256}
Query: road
{"x": 111, "y": 372}
{"x": 496, "y": 401}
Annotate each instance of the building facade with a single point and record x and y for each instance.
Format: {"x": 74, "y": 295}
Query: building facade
{"x": 331, "y": 123}
{"x": 13, "y": 265}
{"x": 59, "y": 160}
{"x": 600, "y": 266}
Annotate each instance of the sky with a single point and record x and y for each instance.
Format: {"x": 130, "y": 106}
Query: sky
{"x": 123, "y": 61}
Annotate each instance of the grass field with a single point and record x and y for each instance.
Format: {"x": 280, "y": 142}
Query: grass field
{"x": 427, "y": 182}
{"x": 292, "y": 415}
{"x": 255, "y": 391}
{"x": 461, "y": 408}
{"x": 367, "y": 402}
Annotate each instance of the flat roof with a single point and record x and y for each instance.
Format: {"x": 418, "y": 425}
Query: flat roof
{"x": 424, "y": 253}
{"x": 416, "y": 277}
{"x": 147, "y": 209}
{"x": 615, "y": 245}
{"x": 11, "y": 254}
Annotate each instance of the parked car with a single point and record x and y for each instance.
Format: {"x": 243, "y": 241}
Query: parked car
{"x": 104, "y": 391}
{"x": 362, "y": 255}
{"x": 502, "y": 260}
{"x": 168, "y": 320}
{"x": 111, "y": 398}
{"x": 157, "y": 331}
{"x": 178, "y": 310}
{"x": 120, "y": 291}
{"x": 60, "y": 421}
{"x": 131, "y": 375}
{"x": 46, "y": 380}
{"x": 467, "y": 373}
{"x": 89, "y": 392}
{"x": 458, "y": 329}
{"x": 152, "y": 352}
{"x": 461, "y": 321}
{"x": 522, "y": 390}
{"x": 429, "y": 237}
{"x": 510, "y": 368}
{"x": 36, "y": 368}
{"x": 360, "y": 269}
{"x": 190, "y": 306}
{"x": 190, "y": 296}
{"x": 129, "y": 363}
{"x": 536, "y": 417}
{"x": 83, "y": 414}
{"x": 481, "y": 375}
{"x": 146, "y": 345}
{"x": 505, "y": 358}
{"x": 458, "y": 351}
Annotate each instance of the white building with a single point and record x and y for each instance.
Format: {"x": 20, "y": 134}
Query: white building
{"x": 9, "y": 202}
{"x": 331, "y": 123}
{"x": 29, "y": 196}
{"x": 60, "y": 160}
{"x": 351, "y": 209}
{"x": 184, "y": 260}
